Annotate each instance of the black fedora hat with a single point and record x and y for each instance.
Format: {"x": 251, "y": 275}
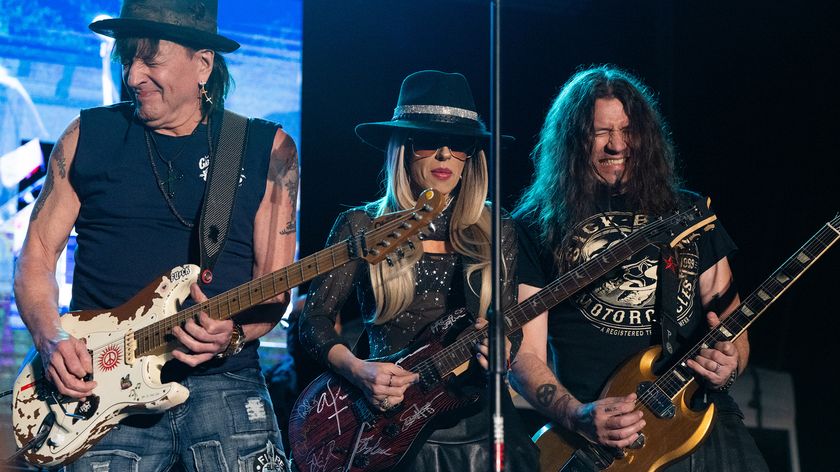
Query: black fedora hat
{"x": 190, "y": 22}
{"x": 430, "y": 101}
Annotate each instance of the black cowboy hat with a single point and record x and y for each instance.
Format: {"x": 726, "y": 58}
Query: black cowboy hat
{"x": 430, "y": 101}
{"x": 190, "y": 22}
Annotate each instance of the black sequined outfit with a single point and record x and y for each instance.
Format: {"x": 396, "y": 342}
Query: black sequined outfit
{"x": 459, "y": 442}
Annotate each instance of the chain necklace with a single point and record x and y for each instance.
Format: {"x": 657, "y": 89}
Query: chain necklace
{"x": 166, "y": 187}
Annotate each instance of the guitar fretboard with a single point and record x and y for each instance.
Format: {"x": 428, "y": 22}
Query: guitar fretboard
{"x": 753, "y": 306}
{"x": 664, "y": 229}
{"x": 380, "y": 240}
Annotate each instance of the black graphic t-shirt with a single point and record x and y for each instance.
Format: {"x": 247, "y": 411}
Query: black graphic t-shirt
{"x": 598, "y": 328}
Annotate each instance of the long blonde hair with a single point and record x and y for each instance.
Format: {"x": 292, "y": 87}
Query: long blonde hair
{"x": 469, "y": 231}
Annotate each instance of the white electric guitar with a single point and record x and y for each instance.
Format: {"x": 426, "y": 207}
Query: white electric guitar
{"x": 131, "y": 343}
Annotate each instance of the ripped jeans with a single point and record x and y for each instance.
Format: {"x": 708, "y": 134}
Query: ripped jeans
{"x": 226, "y": 425}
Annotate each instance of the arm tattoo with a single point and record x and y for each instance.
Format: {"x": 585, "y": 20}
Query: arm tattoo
{"x": 545, "y": 397}
{"x": 545, "y": 394}
{"x": 57, "y": 156}
{"x": 286, "y": 176}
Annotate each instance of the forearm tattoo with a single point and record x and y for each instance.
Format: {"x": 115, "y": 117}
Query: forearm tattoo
{"x": 286, "y": 176}
{"x": 60, "y": 159}
{"x": 546, "y": 398}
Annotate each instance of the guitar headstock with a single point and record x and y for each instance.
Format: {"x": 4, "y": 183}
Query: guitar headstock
{"x": 671, "y": 230}
{"x": 394, "y": 232}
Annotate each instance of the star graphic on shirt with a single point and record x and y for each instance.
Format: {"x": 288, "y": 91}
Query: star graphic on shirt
{"x": 670, "y": 264}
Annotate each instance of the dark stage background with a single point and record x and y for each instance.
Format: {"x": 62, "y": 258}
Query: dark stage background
{"x": 745, "y": 86}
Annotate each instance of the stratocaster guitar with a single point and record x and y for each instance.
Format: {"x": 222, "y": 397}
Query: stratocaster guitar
{"x": 672, "y": 429}
{"x": 131, "y": 343}
{"x": 332, "y": 427}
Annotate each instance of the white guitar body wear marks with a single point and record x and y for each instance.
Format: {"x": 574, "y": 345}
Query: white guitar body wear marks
{"x": 126, "y": 384}
{"x": 131, "y": 343}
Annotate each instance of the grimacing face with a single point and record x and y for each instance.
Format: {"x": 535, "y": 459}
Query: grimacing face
{"x": 610, "y": 145}
{"x": 165, "y": 88}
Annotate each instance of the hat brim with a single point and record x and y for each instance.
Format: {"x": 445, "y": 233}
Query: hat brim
{"x": 377, "y": 134}
{"x": 131, "y": 27}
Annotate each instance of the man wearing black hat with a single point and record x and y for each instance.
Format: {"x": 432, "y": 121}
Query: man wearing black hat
{"x": 434, "y": 140}
{"x": 131, "y": 178}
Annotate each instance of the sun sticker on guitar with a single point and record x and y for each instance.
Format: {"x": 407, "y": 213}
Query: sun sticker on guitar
{"x": 109, "y": 358}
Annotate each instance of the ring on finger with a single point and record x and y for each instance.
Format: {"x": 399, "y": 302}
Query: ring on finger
{"x": 390, "y": 379}
{"x": 717, "y": 367}
{"x": 385, "y": 404}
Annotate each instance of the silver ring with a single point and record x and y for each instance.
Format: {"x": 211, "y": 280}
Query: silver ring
{"x": 385, "y": 404}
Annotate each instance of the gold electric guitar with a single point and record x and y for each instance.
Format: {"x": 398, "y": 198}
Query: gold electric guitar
{"x": 672, "y": 429}
{"x": 131, "y": 343}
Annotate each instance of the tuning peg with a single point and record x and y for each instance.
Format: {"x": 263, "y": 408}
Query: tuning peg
{"x": 432, "y": 227}
{"x": 421, "y": 235}
{"x": 373, "y": 252}
{"x": 389, "y": 261}
{"x": 384, "y": 243}
{"x": 426, "y": 207}
{"x": 410, "y": 244}
{"x": 400, "y": 252}
{"x": 406, "y": 225}
{"x": 395, "y": 235}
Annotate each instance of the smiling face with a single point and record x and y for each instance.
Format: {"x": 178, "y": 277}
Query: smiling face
{"x": 611, "y": 154}
{"x": 165, "y": 86}
{"x": 438, "y": 168}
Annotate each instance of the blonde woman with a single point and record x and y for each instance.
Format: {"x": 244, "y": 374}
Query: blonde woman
{"x": 433, "y": 141}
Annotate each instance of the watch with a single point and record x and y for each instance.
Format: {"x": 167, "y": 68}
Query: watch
{"x": 237, "y": 342}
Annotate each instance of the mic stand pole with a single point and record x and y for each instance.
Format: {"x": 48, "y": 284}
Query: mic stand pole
{"x": 496, "y": 332}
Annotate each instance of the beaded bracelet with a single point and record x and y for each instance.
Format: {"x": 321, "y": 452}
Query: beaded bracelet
{"x": 729, "y": 382}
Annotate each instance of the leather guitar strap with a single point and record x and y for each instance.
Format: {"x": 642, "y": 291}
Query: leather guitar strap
{"x": 668, "y": 289}
{"x": 220, "y": 193}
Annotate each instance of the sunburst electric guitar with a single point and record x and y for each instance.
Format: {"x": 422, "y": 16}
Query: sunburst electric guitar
{"x": 130, "y": 344}
{"x": 332, "y": 427}
{"x": 672, "y": 429}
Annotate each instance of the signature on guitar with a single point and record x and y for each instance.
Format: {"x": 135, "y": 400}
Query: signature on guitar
{"x": 414, "y": 413}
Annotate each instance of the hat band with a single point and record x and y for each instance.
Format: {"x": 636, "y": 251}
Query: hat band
{"x": 401, "y": 111}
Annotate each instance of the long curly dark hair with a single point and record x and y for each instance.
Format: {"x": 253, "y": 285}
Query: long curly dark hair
{"x": 564, "y": 189}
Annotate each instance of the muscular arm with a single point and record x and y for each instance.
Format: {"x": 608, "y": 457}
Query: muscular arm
{"x": 36, "y": 291}
{"x": 530, "y": 374}
{"x": 274, "y": 248}
{"x": 610, "y": 421}
{"x": 717, "y": 364}
{"x": 275, "y": 229}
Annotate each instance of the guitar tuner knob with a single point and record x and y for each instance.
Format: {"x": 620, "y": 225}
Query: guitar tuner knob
{"x": 426, "y": 207}
{"x": 410, "y": 244}
{"x": 395, "y": 235}
{"x": 400, "y": 253}
{"x": 373, "y": 252}
{"x": 432, "y": 227}
{"x": 384, "y": 243}
{"x": 389, "y": 261}
{"x": 406, "y": 225}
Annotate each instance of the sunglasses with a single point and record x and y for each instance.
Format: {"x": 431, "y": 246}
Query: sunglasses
{"x": 428, "y": 145}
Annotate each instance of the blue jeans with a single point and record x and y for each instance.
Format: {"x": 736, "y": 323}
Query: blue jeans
{"x": 226, "y": 425}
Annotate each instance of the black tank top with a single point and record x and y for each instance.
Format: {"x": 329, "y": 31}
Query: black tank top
{"x": 127, "y": 233}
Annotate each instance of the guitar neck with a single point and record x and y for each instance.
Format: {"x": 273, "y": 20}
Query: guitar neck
{"x": 236, "y": 300}
{"x": 565, "y": 286}
{"x": 755, "y": 304}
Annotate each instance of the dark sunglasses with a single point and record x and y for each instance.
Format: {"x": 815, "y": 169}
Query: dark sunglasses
{"x": 427, "y": 145}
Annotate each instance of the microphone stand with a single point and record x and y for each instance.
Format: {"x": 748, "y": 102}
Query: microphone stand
{"x": 496, "y": 331}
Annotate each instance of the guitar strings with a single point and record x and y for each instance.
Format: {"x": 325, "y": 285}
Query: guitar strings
{"x": 153, "y": 331}
{"x": 814, "y": 248}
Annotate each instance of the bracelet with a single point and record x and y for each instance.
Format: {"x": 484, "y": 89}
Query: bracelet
{"x": 237, "y": 342}
{"x": 729, "y": 382}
